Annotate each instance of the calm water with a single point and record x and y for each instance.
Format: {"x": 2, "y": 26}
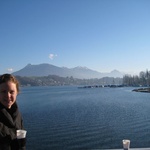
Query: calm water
{"x": 66, "y": 118}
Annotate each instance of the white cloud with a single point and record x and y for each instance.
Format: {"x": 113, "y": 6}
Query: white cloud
{"x": 10, "y": 69}
{"x": 52, "y": 56}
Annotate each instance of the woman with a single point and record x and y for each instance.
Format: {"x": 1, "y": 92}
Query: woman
{"x": 10, "y": 117}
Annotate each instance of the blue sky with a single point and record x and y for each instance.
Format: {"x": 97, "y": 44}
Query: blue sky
{"x": 101, "y": 35}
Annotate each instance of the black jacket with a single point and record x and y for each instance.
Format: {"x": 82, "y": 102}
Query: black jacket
{"x": 10, "y": 121}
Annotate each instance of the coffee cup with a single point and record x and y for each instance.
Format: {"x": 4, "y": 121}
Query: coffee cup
{"x": 21, "y": 134}
{"x": 126, "y": 144}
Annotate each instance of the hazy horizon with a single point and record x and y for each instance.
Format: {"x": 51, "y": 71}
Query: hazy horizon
{"x": 83, "y": 67}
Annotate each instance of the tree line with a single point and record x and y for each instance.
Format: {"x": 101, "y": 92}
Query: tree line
{"x": 53, "y": 80}
{"x": 143, "y": 79}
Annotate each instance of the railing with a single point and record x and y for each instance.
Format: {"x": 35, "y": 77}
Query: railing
{"x": 126, "y": 149}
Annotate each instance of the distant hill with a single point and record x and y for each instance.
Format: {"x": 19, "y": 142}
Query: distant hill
{"x": 77, "y": 72}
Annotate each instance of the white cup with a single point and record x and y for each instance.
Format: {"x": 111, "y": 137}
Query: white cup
{"x": 21, "y": 134}
{"x": 126, "y": 144}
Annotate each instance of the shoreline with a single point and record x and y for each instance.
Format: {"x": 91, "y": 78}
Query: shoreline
{"x": 145, "y": 90}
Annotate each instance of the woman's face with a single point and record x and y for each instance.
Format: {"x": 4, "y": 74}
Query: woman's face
{"x": 8, "y": 94}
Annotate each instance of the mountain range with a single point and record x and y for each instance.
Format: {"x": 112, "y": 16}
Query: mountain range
{"x": 77, "y": 72}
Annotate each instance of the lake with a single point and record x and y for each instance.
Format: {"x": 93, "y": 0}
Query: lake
{"x": 67, "y": 118}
